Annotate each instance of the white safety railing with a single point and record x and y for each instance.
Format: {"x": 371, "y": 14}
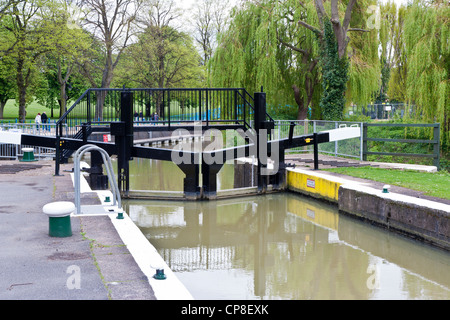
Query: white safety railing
{"x": 109, "y": 170}
{"x": 14, "y": 151}
{"x": 348, "y": 148}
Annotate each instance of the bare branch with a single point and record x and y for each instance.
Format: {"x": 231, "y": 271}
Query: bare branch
{"x": 358, "y": 29}
{"x": 320, "y": 10}
{"x": 292, "y": 47}
{"x": 111, "y": 23}
{"x": 348, "y": 14}
{"x": 310, "y": 27}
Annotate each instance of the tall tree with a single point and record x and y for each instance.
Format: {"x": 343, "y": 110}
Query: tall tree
{"x": 158, "y": 34}
{"x": 111, "y": 22}
{"x": 332, "y": 33}
{"x": 204, "y": 29}
{"x": 428, "y": 56}
{"x": 60, "y": 82}
{"x": 69, "y": 43}
{"x": 210, "y": 17}
{"x": 250, "y": 55}
{"x": 392, "y": 55}
{"x": 299, "y": 44}
{"x": 7, "y": 83}
{"x": 277, "y": 45}
{"x": 30, "y": 37}
{"x": 5, "y": 5}
{"x": 162, "y": 57}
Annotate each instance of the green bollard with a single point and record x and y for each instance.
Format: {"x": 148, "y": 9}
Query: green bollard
{"x": 28, "y": 155}
{"x": 59, "y": 227}
{"x": 59, "y": 218}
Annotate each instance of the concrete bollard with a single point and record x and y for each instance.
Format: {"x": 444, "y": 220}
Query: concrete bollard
{"x": 59, "y": 218}
{"x": 28, "y": 155}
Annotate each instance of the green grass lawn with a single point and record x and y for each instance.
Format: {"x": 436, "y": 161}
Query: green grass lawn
{"x": 436, "y": 184}
{"x": 11, "y": 111}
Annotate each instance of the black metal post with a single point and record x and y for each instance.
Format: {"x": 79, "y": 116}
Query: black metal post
{"x": 436, "y": 139}
{"x": 280, "y": 177}
{"x": 316, "y": 151}
{"x": 209, "y": 174}
{"x": 57, "y": 153}
{"x": 364, "y": 137}
{"x": 88, "y": 107}
{"x": 97, "y": 180}
{"x": 259, "y": 118}
{"x": 291, "y": 131}
{"x": 200, "y": 105}
{"x": 84, "y": 132}
{"x": 124, "y": 140}
{"x": 207, "y": 109}
{"x": 191, "y": 181}
{"x": 168, "y": 107}
{"x": 59, "y": 150}
{"x": 236, "y": 108}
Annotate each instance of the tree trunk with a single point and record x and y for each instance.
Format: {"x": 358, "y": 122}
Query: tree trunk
{"x": 2, "y": 107}
{"x": 161, "y": 74}
{"x": 302, "y": 110}
{"x": 62, "y": 99}
{"x": 106, "y": 83}
{"x": 62, "y": 86}
{"x": 22, "y": 90}
{"x": 310, "y": 83}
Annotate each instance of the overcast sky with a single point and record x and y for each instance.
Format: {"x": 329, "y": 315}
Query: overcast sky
{"x": 188, "y": 10}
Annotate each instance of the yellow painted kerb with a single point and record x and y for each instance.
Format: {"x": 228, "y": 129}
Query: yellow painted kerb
{"x": 313, "y": 185}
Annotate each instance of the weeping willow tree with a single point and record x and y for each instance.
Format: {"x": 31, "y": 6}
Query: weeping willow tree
{"x": 298, "y": 57}
{"x": 247, "y": 53}
{"x": 392, "y": 50}
{"x": 350, "y": 65}
{"x": 428, "y": 52}
{"x": 362, "y": 51}
{"x": 393, "y": 53}
{"x": 267, "y": 44}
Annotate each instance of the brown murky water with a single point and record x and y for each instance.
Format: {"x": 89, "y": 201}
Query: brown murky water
{"x": 280, "y": 246}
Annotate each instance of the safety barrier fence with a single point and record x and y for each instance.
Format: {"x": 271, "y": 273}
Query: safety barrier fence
{"x": 359, "y": 148}
{"x": 14, "y": 152}
{"x": 347, "y": 148}
{"x": 367, "y": 139}
{"x": 163, "y": 107}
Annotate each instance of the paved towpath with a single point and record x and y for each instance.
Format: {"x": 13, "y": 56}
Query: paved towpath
{"x": 92, "y": 264}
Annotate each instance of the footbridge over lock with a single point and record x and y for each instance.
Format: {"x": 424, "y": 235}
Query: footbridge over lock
{"x": 115, "y": 119}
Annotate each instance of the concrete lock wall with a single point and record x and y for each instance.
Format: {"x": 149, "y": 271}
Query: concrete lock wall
{"x": 314, "y": 184}
{"x": 391, "y": 211}
{"x": 425, "y": 220}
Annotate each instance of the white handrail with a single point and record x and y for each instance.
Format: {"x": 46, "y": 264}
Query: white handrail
{"x": 109, "y": 170}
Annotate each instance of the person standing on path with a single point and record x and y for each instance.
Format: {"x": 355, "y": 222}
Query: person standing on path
{"x": 38, "y": 121}
{"x": 44, "y": 119}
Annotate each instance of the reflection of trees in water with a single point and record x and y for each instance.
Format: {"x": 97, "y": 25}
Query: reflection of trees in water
{"x": 287, "y": 256}
{"x": 148, "y": 174}
{"x": 292, "y": 247}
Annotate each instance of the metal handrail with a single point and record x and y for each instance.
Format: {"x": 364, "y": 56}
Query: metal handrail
{"x": 109, "y": 170}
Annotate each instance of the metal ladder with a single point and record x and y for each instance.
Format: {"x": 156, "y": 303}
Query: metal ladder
{"x": 109, "y": 170}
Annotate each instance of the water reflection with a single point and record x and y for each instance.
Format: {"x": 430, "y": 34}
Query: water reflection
{"x": 148, "y": 174}
{"x": 283, "y": 246}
